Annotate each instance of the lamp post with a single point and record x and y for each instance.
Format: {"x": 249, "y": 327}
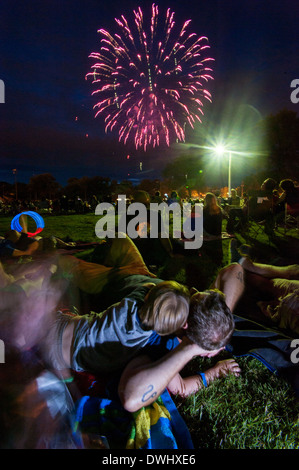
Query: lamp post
{"x": 229, "y": 173}
{"x": 221, "y": 151}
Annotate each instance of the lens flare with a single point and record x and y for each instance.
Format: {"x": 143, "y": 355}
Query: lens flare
{"x": 151, "y": 80}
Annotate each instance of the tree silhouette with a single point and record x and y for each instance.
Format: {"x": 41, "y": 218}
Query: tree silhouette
{"x": 43, "y": 186}
{"x": 281, "y": 134}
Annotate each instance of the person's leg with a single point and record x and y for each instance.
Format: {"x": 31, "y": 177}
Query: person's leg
{"x": 89, "y": 277}
{"x": 123, "y": 252}
{"x": 230, "y": 281}
{"x": 61, "y": 244}
{"x": 122, "y": 259}
{"x": 241, "y": 254}
{"x": 24, "y": 222}
{"x": 233, "y": 278}
{"x": 269, "y": 271}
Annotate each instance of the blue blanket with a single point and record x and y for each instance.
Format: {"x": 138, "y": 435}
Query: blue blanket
{"x": 157, "y": 426}
{"x": 271, "y": 347}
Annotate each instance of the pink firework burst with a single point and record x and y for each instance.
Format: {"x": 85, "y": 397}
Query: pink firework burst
{"x": 151, "y": 82}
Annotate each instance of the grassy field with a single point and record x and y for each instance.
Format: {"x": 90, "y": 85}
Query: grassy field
{"x": 255, "y": 411}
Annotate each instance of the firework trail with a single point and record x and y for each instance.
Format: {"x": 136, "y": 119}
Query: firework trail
{"x": 149, "y": 89}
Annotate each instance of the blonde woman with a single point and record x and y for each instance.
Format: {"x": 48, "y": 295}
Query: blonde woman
{"x": 212, "y": 216}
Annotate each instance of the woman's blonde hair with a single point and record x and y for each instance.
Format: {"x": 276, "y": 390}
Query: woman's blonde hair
{"x": 166, "y": 308}
{"x": 211, "y": 203}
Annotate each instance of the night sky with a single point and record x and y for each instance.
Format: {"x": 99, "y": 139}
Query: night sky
{"x": 47, "y": 121}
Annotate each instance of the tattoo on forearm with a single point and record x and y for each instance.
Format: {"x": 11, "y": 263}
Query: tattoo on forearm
{"x": 148, "y": 394}
{"x": 240, "y": 276}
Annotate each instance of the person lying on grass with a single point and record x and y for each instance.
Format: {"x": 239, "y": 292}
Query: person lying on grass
{"x": 17, "y": 244}
{"x": 278, "y": 284}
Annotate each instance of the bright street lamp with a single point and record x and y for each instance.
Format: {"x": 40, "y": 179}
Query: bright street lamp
{"x": 220, "y": 149}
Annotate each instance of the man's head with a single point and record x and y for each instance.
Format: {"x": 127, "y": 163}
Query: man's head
{"x": 166, "y": 308}
{"x": 268, "y": 185}
{"x": 210, "y": 321}
{"x": 287, "y": 185}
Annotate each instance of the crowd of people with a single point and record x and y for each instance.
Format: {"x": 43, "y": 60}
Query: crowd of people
{"x": 145, "y": 331}
{"x": 57, "y": 206}
{"x": 271, "y": 204}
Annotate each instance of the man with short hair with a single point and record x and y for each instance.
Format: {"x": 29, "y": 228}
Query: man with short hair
{"x": 145, "y": 377}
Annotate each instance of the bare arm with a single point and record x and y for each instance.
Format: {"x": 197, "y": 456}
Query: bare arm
{"x": 189, "y": 385}
{"x": 143, "y": 380}
{"x": 30, "y": 250}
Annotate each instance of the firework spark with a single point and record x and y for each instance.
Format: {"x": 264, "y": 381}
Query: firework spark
{"x": 150, "y": 89}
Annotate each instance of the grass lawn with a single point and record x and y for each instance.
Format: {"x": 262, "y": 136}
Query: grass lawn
{"x": 257, "y": 410}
